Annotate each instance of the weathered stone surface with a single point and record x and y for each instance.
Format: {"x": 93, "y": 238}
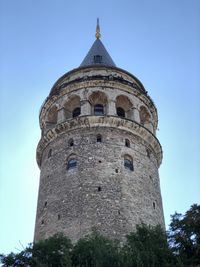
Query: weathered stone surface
{"x": 100, "y": 192}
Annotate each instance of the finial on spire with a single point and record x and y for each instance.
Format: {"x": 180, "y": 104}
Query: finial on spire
{"x": 98, "y": 35}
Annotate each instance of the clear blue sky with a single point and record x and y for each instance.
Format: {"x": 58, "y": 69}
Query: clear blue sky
{"x": 157, "y": 41}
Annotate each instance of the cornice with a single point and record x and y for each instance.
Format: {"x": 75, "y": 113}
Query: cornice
{"x": 102, "y": 121}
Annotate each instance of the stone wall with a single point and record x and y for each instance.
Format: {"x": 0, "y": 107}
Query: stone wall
{"x": 100, "y": 192}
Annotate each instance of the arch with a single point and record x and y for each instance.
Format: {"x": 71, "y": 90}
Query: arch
{"x": 72, "y": 107}
{"x": 128, "y": 162}
{"x": 144, "y": 115}
{"x": 98, "y": 101}
{"x": 123, "y": 107}
{"x": 52, "y": 115}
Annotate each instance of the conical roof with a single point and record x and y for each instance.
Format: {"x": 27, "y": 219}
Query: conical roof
{"x": 97, "y": 54}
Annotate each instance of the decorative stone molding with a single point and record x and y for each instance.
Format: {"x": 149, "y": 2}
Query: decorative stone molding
{"x": 102, "y": 121}
{"x": 101, "y": 84}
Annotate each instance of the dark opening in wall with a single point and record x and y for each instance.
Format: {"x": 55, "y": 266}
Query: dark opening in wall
{"x": 42, "y": 222}
{"x": 97, "y": 59}
{"x": 45, "y": 204}
{"x": 116, "y": 170}
{"x": 100, "y": 161}
{"x": 127, "y": 143}
{"x": 99, "y": 188}
{"x": 71, "y": 142}
{"x": 76, "y": 112}
{"x": 128, "y": 164}
{"x": 99, "y": 138}
{"x": 49, "y": 153}
{"x": 120, "y": 112}
{"x": 154, "y": 205}
{"x": 148, "y": 152}
{"x": 59, "y": 216}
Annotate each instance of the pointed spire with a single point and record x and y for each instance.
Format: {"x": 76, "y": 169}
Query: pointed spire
{"x": 98, "y": 35}
{"x": 97, "y": 54}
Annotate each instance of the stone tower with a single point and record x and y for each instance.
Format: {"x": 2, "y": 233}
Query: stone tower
{"x": 98, "y": 154}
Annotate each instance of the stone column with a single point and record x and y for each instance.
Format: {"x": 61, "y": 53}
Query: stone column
{"x": 61, "y": 115}
{"x": 111, "y": 108}
{"x": 85, "y": 108}
{"x": 136, "y": 115}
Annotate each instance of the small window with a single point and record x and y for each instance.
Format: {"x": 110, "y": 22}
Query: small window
{"x": 99, "y": 138}
{"x": 127, "y": 143}
{"x": 59, "y": 216}
{"x": 45, "y": 204}
{"x": 128, "y": 163}
{"x": 120, "y": 112}
{"x": 71, "y": 164}
{"x": 154, "y": 205}
{"x": 99, "y": 188}
{"x": 76, "y": 112}
{"x": 49, "y": 153}
{"x": 148, "y": 153}
{"x": 98, "y": 110}
{"x": 71, "y": 142}
{"x": 97, "y": 59}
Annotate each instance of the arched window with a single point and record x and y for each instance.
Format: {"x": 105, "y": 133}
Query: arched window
{"x": 127, "y": 143}
{"x": 120, "y": 112}
{"x": 128, "y": 163}
{"x": 98, "y": 110}
{"x": 76, "y": 112}
{"x": 49, "y": 153}
{"x": 98, "y": 101}
{"x": 71, "y": 164}
{"x": 124, "y": 107}
{"x": 99, "y": 138}
{"x": 71, "y": 142}
{"x": 72, "y": 107}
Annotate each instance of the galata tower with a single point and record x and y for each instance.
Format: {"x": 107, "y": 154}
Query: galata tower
{"x": 98, "y": 153}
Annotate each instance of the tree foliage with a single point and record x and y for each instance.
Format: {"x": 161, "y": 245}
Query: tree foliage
{"x": 96, "y": 250}
{"x": 147, "y": 247}
{"x": 184, "y": 236}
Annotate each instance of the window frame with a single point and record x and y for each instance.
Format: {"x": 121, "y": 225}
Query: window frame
{"x": 99, "y": 110}
{"x": 71, "y": 164}
{"x": 128, "y": 163}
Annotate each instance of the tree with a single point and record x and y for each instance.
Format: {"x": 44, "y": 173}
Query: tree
{"x": 96, "y": 250}
{"x": 184, "y": 236}
{"x": 147, "y": 247}
{"x": 52, "y": 252}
